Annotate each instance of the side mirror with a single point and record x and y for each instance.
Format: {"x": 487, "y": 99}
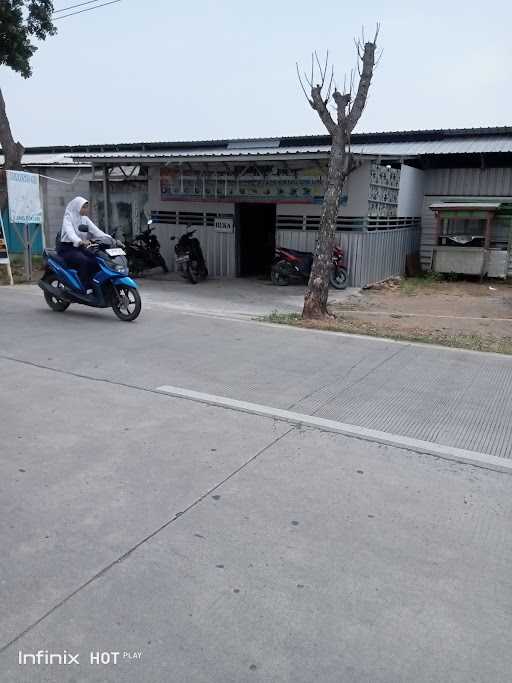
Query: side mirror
{"x": 173, "y": 238}
{"x": 83, "y": 228}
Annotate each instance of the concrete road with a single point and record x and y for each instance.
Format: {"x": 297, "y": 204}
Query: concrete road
{"x": 226, "y": 546}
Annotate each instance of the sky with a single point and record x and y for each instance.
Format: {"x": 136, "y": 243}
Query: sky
{"x": 154, "y": 70}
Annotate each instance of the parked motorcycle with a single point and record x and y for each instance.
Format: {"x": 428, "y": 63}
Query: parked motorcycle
{"x": 111, "y": 286}
{"x": 143, "y": 252}
{"x": 189, "y": 257}
{"x": 290, "y": 265}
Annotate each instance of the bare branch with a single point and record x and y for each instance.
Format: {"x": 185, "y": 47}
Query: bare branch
{"x": 323, "y": 70}
{"x": 319, "y": 105}
{"x": 310, "y": 83}
{"x": 330, "y": 86}
{"x": 342, "y": 101}
{"x": 302, "y": 85}
{"x": 312, "y": 70}
{"x": 352, "y": 79}
{"x": 364, "y": 85}
{"x": 377, "y": 61}
{"x": 377, "y": 31}
{"x": 321, "y": 84}
{"x": 357, "y": 43}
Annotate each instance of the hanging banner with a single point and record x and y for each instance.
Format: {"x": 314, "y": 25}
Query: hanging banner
{"x": 24, "y": 198}
{"x": 306, "y": 186}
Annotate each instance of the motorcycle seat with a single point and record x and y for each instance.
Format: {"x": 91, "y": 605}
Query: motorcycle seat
{"x": 296, "y": 253}
{"x": 52, "y": 253}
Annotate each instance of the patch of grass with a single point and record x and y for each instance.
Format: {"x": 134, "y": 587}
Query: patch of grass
{"x": 410, "y": 286}
{"x": 471, "y": 342}
{"x": 282, "y": 318}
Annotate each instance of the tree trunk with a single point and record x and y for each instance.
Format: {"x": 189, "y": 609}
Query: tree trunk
{"x": 13, "y": 151}
{"x": 315, "y": 299}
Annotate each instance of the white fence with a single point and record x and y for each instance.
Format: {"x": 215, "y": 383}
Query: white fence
{"x": 370, "y": 256}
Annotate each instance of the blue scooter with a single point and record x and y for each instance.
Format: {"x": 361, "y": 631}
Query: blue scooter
{"x": 111, "y": 286}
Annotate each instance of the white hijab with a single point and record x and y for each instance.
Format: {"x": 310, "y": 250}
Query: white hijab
{"x": 72, "y": 220}
{"x": 72, "y": 213}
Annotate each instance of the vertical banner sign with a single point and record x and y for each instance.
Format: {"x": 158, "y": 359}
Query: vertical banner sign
{"x": 25, "y": 209}
{"x": 24, "y": 199}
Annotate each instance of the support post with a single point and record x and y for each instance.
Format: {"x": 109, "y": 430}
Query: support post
{"x": 437, "y": 234}
{"x": 106, "y": 199}
{"x": 28, "y": 252}
{"x": 487, "y": 244}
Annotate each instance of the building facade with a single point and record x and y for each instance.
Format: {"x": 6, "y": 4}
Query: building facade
{"x": 244, "y": 197}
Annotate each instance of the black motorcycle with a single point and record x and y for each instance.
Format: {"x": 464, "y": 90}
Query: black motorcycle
{"x": 290, "y": 265}
{"x": 189, "y": 257}
{"x": 143, "y": 252}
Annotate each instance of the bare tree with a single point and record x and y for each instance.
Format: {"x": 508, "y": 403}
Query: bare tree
{"x": 13, "y": 151}
{"x": 348, "y": 110}
{"x": 20, "y": 22}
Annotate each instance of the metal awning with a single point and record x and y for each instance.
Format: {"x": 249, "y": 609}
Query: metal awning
{"x": 465, "y": 206}
{"x": 246, "y": 155}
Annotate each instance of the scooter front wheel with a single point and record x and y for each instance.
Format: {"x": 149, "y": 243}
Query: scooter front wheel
{"x": 163, "y": 264}
{"x": 192, "y": 273}
{"x": 280, "y": 274}
{"x": 126, "y": 303}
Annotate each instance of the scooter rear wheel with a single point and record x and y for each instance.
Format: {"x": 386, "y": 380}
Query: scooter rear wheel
{"x": 126, "y": 303}
{"x": 338, "y": 278}
{"x": 54, "y": 302}
{"x": 163, "y": 264}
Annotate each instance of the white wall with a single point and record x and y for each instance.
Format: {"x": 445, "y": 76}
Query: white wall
{"x": 357, "y": 188}
{"x": 411, "y": 192}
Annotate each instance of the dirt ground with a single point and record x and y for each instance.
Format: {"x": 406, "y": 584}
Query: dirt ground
{"x": 18, "y": 271}
{"x": 461, "y": 313}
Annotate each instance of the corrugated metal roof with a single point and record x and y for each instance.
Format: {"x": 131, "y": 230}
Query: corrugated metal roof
{"x": 282, "y": 141}
{"x": 395, "y": 150}
{"x": 476, "y": 145}
{"x": 209, "y": 154}
{"x": 394, "y": 145}
{"x": 46, "y": 160}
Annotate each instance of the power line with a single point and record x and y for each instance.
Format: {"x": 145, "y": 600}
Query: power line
{"x": 73, "y": 6}
{"x": 72, "y": 14}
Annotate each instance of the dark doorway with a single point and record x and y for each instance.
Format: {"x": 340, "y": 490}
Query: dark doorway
{"x": 257, "y": 238}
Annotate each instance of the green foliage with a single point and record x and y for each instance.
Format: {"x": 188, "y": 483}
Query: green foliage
{"x": 20, "y": 21}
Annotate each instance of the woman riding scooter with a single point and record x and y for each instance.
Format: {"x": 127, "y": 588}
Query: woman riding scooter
{"x": 72, "y": 247}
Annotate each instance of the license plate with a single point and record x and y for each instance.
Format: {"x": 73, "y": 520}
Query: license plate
{"x": 182, "y": 259}
{"x": 116, "y": 251}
